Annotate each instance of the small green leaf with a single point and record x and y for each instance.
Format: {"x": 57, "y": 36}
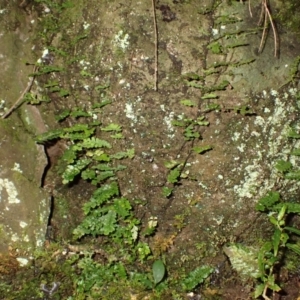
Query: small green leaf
{"x": 267, "y": 202}
{"x": 171, "y": 164}
{"x": 131, "y": 153}
{"x": 294, "y": 247}
{"x": 51, "y": 84}
{"x": 122, "y": 207}
{"x": 273, "y": 220}
{"x": 215, "y": 47}
{"x": 190, "y": 133}
{"x": 93, "y": 142}
{"x": 212, "y": 106}
{"x": 187, "y": 102}
{"x": 266, "y": 247}
{"x": 73, "y": 170}
{"x": 292, "y": 229}
{"x": 283, "y": 166}
{"x": 209, "y": 96}
{"x": 64, "y": 114}
{"x": 203, "y": 149}
{"x": 117, "y": 136}
{"x": 293, "y": 207}
{"x": 101, "y": 87}
{"x": 201, "y": 121}
{"x": 173, "y": 176}
{"x": 102, "y": 157}
{"x": 271, "y": 283}
{"x": 282, "y": 212}
{"x": 76, "y": 113}
{"x": 158, "y": 271}
{"x": 64, "y": 93}
{"x": 88, "y": 174}
{"x": 179, "y": 123}
{"x": 112, "y": 127}
{"x": 191, "y": 76}
{"x": 293, "y": 134}
{"x": 284, "y": 238}
{"x": 166, "y": 191}
{"x": 259, "y": 290}
{"x": 48, "y": 69}
{"x": 102, "y": 104}
{"x": 109, "y": 220}
{"x": 244, "y": 110}
{"x": 196, "y": 277}
{"x": 276, "y": 240}
{"x": 296, "y": 152}
{"x": 48, "y": 136}
{"x": 293, "y": 175}
{"x": 103, "y": 175}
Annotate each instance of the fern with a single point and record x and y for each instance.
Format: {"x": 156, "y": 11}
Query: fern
{"x": 94, "y": 143}
{"x": 173, "y": 176}
{"x": 73, "y": 170}
{"x": 196, "y": 277}
{"x": 104, "y": 214}
{"x": 267, "y": 202}
{"x": 100, "y": 196}
{"x": 283, "y": 166}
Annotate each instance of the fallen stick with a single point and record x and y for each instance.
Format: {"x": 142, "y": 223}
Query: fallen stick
{"x": 19, "y": 101}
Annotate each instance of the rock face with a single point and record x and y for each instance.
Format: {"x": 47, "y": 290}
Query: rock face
{"x": 24, "y": 205}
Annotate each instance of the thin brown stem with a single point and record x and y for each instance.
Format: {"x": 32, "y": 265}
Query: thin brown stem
{"x": 264, "y": 35}
{"x": 249, "y": 7}
{"x": 273, "y": 28}
{"x": 155, "y": 45}
{"x": 19, "y": 101}
{"x": 262, "y": 14}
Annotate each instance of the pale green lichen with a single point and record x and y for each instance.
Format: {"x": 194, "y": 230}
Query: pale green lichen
{"x": 243, "y": 260}
{"x": 23, "y": 224}
{"x": 22, "y": 261}
{"x": 12, "y": 193}
{"x": 17, "y": 168}
{"x": 267, "y": 138}
{"x": 121, "y": 40}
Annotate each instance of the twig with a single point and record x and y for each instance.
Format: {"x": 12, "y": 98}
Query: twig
{"x": 262, "y": 14}
{"x": 273, "y": 28}
{"x": 250, "y": 10}
{"x": 265, "y": 14}
{"x": 264, "y": 35}
{"x": 264, "y": 295}
{"x": 155, "y": 45}
{"x": 27, "y": 89}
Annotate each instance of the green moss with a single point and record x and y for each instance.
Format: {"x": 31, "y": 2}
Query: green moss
{"x": 289, "y": 15}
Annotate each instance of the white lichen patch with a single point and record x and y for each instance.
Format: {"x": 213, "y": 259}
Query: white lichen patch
{"x": 263, "y": 143}
{"x": 241, "y": 147}
{"x": 11, "y": 191}
{"x": 22, "y": 261}
{"x": 14, "y": 237}
{"x": 23, "y": 224}
{"x": 168, "y": 121}
{"x": 2, "y": 105}
{"x": 215, "y": 31}
{"x": 17, "y": 168}
{"x": 121, "y": 40}
{"x": 236, "y": 136}
{"x": 86, "y": 25}
{"x": 129, "y": 112}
